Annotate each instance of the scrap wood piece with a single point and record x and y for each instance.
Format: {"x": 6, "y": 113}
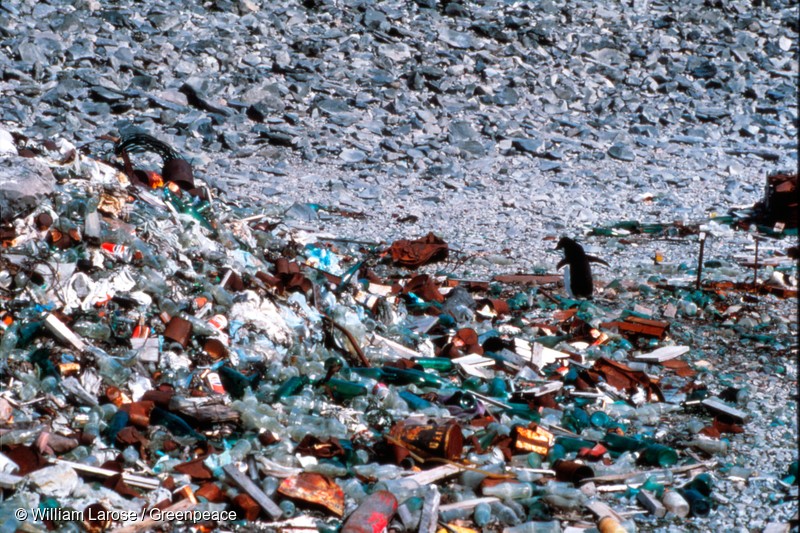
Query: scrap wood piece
{"x": 247, "y": 485}
{"x": 622, "y": 377}
{"x": 527, "y": 279}
{"x": 430, "y": 510}
{"x": 150, "y": 522}
{"x": 467, "y": 504}
{"x": 718, "y": 406}
{"x": 298, "y": 524}
{"x": 435, "y": 474}
{"x": 414, "y": 254}
{"x": 639, "y": 326}
{"x": 541, "y": 355}
{"x": 665, "y": 353}
{"x": 680, "y": 367}
{"x": 602, "y": 510}
{"x": 130, "y": 479}
{"x": 612, "y": 478}
{"x": 649, "y": 502}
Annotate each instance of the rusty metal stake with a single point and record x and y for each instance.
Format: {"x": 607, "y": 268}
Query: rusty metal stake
{"x": 700, "y": 260}
{"x": 755, "y": 265}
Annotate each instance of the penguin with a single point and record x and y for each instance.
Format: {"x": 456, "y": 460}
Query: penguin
{"x": 578, "y": 275}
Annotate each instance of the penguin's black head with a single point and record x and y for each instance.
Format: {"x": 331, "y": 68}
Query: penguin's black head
{"x": 567, "y": 244}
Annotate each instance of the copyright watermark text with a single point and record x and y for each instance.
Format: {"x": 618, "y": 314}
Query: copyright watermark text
{"x": 92, "y": 514}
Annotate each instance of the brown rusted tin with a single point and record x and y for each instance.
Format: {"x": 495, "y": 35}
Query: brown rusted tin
{"x": 316, "y": 489}
{"x": 43, "y": 221}
{"x": 139, "y": 412}
{"x": 215, "y": 348}
{"x": 528, "y": 440}
{"x": 572, "y": 471}
{"x": 445, "y": 440}
{"x": 178, "y": 171}
{"x": 248, "y": 506}
{"x": 178, "y": 330}
{"x": 210, "y": 492}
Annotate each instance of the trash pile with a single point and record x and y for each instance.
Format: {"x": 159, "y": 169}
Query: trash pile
{"x": 172, "y": 359}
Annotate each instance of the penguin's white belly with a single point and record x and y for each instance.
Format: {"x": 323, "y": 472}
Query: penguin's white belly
{"x": 567, "y": 282}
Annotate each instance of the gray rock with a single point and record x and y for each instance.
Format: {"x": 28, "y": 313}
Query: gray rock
{"x": 352, "y": 155}
{"x": 622, "y": 152}
{"x": 24, "y": 184}
{"x": 456, "y": 39}
{"x": 57, "y": 481}
{"x": 530, "y": 146}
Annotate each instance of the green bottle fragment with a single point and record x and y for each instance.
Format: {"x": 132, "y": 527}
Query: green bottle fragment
{"x": 572, "y": 444}
{"x": 620, "y": 443}
{"x": 409, "y": 376}
{"x": 41, "y": 358}
{"x": 174, "y": 423}
{"x": 236, "y": 383}
{"x": 659, "y": 455}
{"x": 342, "y": 390}
{"x": 290, "y": 388}
{"x": 184, "y": 207}
{"x": 440, "y": 364}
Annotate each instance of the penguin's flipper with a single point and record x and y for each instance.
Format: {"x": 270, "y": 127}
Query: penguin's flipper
{"x": 562, "y": 264}
{"x": 594, "y": 259}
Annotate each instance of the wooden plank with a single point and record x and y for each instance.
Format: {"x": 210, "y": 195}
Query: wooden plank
{"x": 130, "y": 479}
{"x": 467, "y": 504}
{"x": 718, "y": 406}
{"x": 664, "y": 353}
{"x": 63, "y": 333}
{"x": 433, "y": 475}
{"x": 430, "y": 510}
{"x": 649, "y": 502}
{"x": 149, "y": 523}
{"x": 601, "y": 510}
{"x": 527, "y": 279}
{"x": 612, "y": 478}
{"x": 247, "y": 485}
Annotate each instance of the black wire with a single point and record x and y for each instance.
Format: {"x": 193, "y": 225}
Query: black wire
{"x": 144, "y": 142}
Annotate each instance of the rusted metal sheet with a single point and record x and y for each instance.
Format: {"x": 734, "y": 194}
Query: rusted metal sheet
{"x": 315, "y": 489}
{"x": 413, "y": 254}
{"x": 428, "y": 440}
{"x": 536, "y": 439}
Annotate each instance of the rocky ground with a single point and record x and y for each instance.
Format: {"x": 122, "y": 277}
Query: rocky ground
{"x": 498, "y": 125}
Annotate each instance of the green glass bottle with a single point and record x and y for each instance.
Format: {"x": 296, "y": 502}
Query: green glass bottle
{"x": 621, "y": 443}
{"x": 659, "y": 455}
{"x": 409, "y": 376}
{"x": 572, "y": 444}
{"x": 440, "y": 364}
{"x": 342, "y": 390}
{"x": 699, "y": 505}
{"x": 292, "y": 386}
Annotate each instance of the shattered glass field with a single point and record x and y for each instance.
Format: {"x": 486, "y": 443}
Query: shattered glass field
{"x": 453, "y": 267}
